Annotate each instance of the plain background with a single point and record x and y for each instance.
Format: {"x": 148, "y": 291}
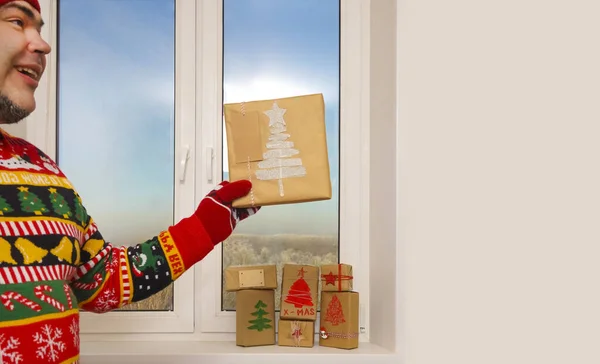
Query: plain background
{"x": 499, "y": 184}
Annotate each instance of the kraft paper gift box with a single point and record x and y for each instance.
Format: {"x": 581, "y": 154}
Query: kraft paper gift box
{"x": 296, "y": 333}
{"x": 280, "y": 145}
{"x": 246, "y": 277}
{"x": 336, "y": 277}
{"x": 255, "y": 317}
{"x": 339, "y": 320}
{"x": 299, "y": 292}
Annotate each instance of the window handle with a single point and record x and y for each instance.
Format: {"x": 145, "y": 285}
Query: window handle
{"x": 185, "y": 155}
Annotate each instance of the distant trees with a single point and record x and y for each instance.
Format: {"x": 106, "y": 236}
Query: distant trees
{"x": 256, "y": 250}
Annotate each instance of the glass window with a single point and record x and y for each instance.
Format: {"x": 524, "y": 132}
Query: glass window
{"x": 274, "y": 49}
{"x": 116, "y": 116}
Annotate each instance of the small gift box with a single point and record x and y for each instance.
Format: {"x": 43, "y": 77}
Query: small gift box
{"x": 299, "y": 292}
{"x": 296, "y": 333}
{"x": 336, "y": 277}
{"x": 339, "y": 320}
{"x": 254, "y": 277}
{"x": 255, "y": 317}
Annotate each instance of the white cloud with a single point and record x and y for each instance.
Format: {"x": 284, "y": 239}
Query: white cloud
{"x": 272, "y": 87}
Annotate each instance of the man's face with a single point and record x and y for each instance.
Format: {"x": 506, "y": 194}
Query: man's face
{"x": 22, "y": 60}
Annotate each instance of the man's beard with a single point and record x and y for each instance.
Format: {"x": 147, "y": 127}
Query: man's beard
{"x": 11, "y": 113}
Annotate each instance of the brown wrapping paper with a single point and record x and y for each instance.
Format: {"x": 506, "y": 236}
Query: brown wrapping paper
{"x": 279, "y": 145}
{"x": 336, "y": 277}
{"x": 255, "y": 277}
{"x": 296, "y": 333}
{"x": 299, "y": 292}
{"x": 255, "y": 317}
{"x": 339, "y": 320}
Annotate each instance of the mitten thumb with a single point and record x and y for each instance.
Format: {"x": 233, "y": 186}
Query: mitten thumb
{"x": 227, "y": 192}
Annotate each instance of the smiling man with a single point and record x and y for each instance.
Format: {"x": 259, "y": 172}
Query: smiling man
{"x": 53, "y": 259}
{"x": 22, "y": 60}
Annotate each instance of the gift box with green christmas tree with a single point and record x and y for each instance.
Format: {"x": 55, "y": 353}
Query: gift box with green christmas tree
{"x": 255, "y": 317}
{"x": 254, "y": 287}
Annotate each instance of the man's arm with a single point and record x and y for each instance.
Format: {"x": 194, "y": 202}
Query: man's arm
{"x": 109, "y": 277}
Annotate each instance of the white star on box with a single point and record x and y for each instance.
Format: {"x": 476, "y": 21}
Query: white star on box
{"x": 275, "y": 115}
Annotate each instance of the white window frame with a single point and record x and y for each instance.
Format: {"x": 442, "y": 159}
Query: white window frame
{"x": 209, "y": 101}
{"x": 201, "y": 101}
{"x": 181, "y": 318}
{"x": 198, "y": 316}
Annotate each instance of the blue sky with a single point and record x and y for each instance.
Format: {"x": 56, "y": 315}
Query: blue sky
{"x": 116, "y": 69}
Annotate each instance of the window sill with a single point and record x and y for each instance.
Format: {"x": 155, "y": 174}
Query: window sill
{"x": 227, "y": 352}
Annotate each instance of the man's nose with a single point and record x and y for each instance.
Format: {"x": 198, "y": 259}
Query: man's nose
{"x": 39, "y": 45}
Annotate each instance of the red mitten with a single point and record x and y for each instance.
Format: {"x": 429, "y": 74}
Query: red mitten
{"x": 216, "y": 213}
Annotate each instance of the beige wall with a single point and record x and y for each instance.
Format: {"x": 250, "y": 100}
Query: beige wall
{"x": 18, "y": 130}
{"x": 499, "y": 189}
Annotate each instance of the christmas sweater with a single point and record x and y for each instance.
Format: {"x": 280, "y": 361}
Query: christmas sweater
{"x": 54, "y": 260}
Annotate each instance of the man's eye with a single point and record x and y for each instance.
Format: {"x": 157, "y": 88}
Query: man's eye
{"x": 18, "y": 22}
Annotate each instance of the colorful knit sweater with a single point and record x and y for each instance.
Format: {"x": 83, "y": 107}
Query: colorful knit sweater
{"x": 54, "y": 261}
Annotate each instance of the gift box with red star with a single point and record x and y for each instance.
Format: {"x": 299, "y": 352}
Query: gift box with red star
{"x": 336, "y": 277}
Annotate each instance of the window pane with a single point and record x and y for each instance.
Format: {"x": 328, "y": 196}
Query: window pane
{"x": 115, "y": 118}
{"x": 274, "y": 49}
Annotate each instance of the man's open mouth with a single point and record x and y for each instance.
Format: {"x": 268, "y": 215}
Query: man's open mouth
{"x": 28, "y": 72}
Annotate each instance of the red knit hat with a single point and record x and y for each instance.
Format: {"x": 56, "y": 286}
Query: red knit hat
{"x": 34, "y": 3}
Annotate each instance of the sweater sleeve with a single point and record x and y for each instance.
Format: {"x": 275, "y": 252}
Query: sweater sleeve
{"x": 109, "y": 276}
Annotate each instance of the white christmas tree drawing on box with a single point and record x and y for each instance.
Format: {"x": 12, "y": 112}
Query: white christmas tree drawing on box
{"x": 276, "y": 163}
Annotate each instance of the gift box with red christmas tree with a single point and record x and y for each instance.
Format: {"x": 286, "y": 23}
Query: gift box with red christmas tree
{"x": 339, "y": 320}
{"x": 299, "y": 292}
